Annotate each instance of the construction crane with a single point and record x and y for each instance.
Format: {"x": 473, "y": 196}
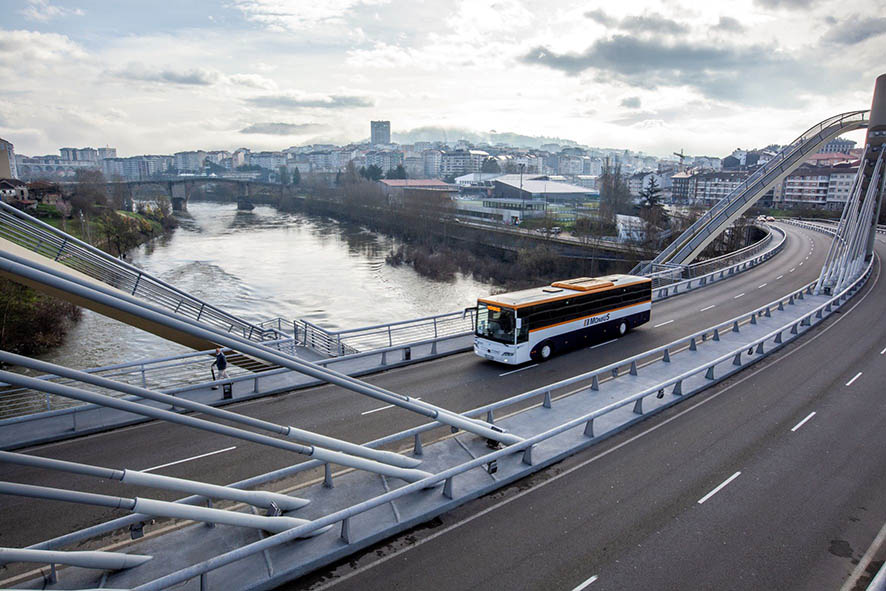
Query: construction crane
{"x": 681, "y": 156}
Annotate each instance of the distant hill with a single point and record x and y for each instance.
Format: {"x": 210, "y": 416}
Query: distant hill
{"x": 453, "y": 134}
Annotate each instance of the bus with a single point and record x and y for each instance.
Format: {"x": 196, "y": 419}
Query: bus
{"x": 533, "y": 324}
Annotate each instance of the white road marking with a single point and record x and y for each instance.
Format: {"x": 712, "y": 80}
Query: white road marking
{"x": 800, "y": 424}
{"x": 663, "y": 323}
{"x": 601, "y": 344}
{"x": 369, "y": 412}
{"x": 779, "y": 277}
{"x": 738, "y": 296}
{"x": 586, "y": 583}
{"x": 719, "y": 488}
{"x": 212, "y": 453}
{"x": 708, "y": 308}
{"x": 883, "y": 352}
{"x": 801, "y": 263}
{"x": 507, "y": 373}
{"x": 762, "y": 286}
{"x": 792, "y": 270}
{"x": 858, "y": 375}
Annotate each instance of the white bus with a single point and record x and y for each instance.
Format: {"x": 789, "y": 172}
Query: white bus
{"x": 532, "y": 324}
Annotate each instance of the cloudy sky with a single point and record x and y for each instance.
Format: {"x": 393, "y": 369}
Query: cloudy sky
{"x": 268, "y": 74}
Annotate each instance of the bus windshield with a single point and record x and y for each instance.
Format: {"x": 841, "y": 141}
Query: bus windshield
{"x": 496, "y": 323}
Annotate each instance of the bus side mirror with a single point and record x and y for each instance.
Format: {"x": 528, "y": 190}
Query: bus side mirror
{"x": 519, "y": 323}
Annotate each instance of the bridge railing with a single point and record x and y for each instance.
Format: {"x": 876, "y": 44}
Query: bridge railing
{"x": 43, "y": 239}
{"x": 759, "y": 179}
{"x": 170, "y": 373}
{"x": 368, "y": 338}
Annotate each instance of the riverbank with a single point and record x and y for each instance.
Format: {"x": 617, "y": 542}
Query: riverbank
{"x": 32, "y": 323}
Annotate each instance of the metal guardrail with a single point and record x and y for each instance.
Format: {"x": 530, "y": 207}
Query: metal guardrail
{"x": 43, "y": 239}
{"x": 184, "y": 373}
{"x": 587, "y": 381}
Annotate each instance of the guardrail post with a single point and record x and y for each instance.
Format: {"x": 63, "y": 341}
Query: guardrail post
{"x": 791, "y": 300}
{"x": 827, "y": 308}
{"x": 633, "y": 368}
{"x": 778, "y": 338}
{"x": 547, "y": 401}
{"x": 527, "y": 455}
{"x": 760, "y": 348}
{"x": 490, "y": 417}
{"x": 818, "y": 314}
{"x": 692, "y": 346}
{"x": 327, "y": 475}
{"x": 767, "y": 313}
{"x": 255, "y": 385}
{"x": 346, "y": 530}
{"x": 447, "y": 488}
{"x": 800, "y": 296}
{"x": 589, "y": 428}
{"x": 666, "y": 356}
{"x": 710, "y": 373}
{"x": 795, "y": 328}
{"x": 595, "y": 383}
{"x": 780, "y": 306}
{"x": 737, "y": 359}
{"x": 384, "y": 358}
{"x": 416, "y": 445}
{"x": 615, "y": 372}
{"x": 806, "y": 321}
{"x": 200, "y": 313}
{"x": 638, "y": 406}
{"x": 716, "y": 334}
{"x": 735, "y": 327}
{"x": 390, "y": 337}
{"x": 678, "y": 388}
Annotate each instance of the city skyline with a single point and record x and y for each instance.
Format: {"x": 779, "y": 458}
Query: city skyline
{"x": 268, "y": 74}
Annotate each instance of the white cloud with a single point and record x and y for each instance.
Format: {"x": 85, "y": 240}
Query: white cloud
{"x": 300, "y": 15}
{"x": 42, "y": 10}
{"x": 253, "y": 81}
{"x": 38, "y": 51}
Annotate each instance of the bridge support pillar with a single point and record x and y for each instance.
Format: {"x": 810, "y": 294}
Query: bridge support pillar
{"x": 179, "y": 196}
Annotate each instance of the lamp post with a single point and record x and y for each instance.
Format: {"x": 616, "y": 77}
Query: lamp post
{"x": 522, "y": 196}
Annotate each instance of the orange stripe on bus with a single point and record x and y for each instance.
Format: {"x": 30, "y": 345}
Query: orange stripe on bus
{"x": 591, "y": 316}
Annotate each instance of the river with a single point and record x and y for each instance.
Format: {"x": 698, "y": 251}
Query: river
{"x": 265, "y": 264}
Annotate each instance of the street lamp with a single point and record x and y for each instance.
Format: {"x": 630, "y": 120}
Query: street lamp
{"x": 522, "y": 196}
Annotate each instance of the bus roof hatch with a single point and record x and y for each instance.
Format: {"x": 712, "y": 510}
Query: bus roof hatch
{"x": 583, "y": 284}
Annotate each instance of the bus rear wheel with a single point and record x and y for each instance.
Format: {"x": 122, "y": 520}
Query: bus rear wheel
{"x": 545, "y": 351}
{"x": 622, "y": 329}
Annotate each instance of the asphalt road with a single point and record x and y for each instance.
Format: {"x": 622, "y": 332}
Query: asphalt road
{"x": 775, "y": 479}
{"x": 459, "y": 382}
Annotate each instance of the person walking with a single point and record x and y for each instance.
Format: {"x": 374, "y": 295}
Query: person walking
{"x": 222, "y": 364}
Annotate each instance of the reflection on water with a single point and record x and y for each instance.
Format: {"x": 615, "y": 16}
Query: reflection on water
{"x": 262, "y": 264}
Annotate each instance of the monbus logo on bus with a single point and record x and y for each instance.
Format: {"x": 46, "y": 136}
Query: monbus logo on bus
{"x": 596, "y": 319}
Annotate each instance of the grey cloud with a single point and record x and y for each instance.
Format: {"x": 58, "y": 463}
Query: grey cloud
{"x": 601, "y": 17}
{"x": 644, "y": 23}
{"x": 831, "y": 20}
{"x": 288, "y": 101}
{"x": 729, "y": 24}
{"x": 195, "y": 77}
{"x": 631, "y": 102}
{"x": 283, "y": 128}
{"x": 854, "y": 30}
{"x": 754, "y": 74}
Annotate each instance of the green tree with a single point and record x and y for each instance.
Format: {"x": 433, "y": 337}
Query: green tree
{"x": 650, "y": 195}
{"x": 372, "y": 172}
{"x": 396, "y": 173}
{"x": 90, "y": 191}
{"x": 490, "y": 165}
{"x": 296, "y": 176}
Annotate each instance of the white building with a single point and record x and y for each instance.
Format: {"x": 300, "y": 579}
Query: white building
{"x": 269, "y": 160}
{"x": 460, "y": 162}
{"x": 190, "y": 161}
{"x": 433, "y": 160}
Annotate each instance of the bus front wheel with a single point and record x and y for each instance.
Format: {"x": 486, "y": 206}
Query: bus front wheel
{"x": 545, "y": 351}
{"x": 622, "y": 329}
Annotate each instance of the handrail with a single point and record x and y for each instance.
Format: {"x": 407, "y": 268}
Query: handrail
{"x": 41, "y": 238}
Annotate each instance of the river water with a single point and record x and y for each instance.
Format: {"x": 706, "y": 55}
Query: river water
{"x": 265, "y": 264}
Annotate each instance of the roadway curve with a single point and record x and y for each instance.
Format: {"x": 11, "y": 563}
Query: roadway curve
{"x": 458, "y": 382}
{"x": 648, "y": 509}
